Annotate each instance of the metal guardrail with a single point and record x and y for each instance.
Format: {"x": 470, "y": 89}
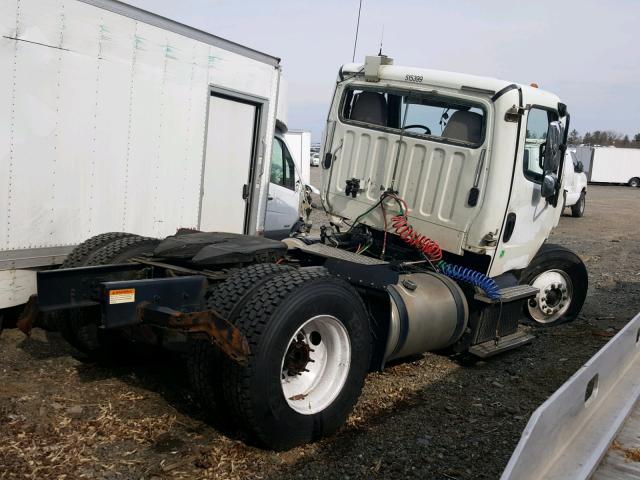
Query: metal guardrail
{"x": 568, "y": 435}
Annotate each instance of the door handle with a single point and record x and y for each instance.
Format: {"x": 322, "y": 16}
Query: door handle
{"x": 269, "y": 197}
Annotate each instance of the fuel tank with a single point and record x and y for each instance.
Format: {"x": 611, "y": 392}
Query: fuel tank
{"x": 428, "y": 312}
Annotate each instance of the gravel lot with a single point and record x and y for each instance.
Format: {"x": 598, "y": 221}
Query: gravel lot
{"x": 428, "y": 418}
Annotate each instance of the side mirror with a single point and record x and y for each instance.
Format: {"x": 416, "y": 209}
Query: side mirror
{"x": 579, "y": 167}
{"x": 552, "y": 151}
{"x": 548, "y": 187}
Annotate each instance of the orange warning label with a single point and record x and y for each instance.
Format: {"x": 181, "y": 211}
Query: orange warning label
{"x": 125, "y": 295}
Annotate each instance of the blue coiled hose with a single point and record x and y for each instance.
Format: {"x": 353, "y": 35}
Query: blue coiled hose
{"x": 463, "y": 274}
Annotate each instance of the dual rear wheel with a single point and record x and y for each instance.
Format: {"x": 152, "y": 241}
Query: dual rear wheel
{"x": 310, "y": 352}
{"x": 80, "y": 327}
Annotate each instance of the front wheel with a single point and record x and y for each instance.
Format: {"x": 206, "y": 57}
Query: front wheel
{"x": 577, "y": 210}
{"x": 634, "y": 182}
{"x": 562, "y": 281}
{"x": 310, "y": 352}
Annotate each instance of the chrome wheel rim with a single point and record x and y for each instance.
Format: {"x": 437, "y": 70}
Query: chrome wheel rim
{"x": 555, "y": 292}
{"x": 315, "y": 365}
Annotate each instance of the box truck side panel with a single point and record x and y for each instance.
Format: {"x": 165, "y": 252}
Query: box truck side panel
{"x": 179, "y": 160}
{"x": 187, "y": 165}
{"x": 16, "y": 286}
{"x": 7, "y": 57}
{"x": 73, "y": 139}
{"x": 615, "y": 165}
{"x": 299, "y": 143}
{"x": 105, "y": 118}
{"x": 33, "y": 155}
{"x": 111, "y": 136}
{"x": 148, "y": 70}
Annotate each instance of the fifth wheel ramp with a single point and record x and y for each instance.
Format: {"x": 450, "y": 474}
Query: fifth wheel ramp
{"x": 568, "y": 435}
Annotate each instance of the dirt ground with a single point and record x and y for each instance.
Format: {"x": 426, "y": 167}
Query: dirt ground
{"x": 430, "y": 418}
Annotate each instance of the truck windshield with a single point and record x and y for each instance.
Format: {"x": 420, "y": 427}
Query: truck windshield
{"x": 440, "y": 118}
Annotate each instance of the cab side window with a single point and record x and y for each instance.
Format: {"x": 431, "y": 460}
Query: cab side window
{"x": 538, "y": 122}
{"x": 283, "y": 170}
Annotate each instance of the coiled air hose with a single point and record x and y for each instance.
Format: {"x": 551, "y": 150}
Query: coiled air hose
{"x": 433, "y": 252}
{"x": 477, "y": 279}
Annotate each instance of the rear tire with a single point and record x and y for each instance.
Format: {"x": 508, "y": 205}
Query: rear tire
{"x": 79, "y": 327}
{"x": 81, "y": 252}
{"x": 577, "y": 210}
{"x": 339, "y": 341}
{"x": 205, "y": 362}
{"x": 563, "y": 281}
{"x": 634, "y": 182}
{"x": 77, "y": 258}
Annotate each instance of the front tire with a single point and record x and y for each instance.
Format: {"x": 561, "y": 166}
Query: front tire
{"x": 634, "y": 182}
{"x": 562, "y": 280}
{"x": 310, "y": 352}
{"x": 577, "y": 210}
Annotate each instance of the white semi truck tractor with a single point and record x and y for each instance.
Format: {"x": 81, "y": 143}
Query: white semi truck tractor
{"x": 436, "y": 241}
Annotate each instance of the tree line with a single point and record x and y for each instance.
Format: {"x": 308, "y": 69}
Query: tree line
{"x": 604, "y": 138}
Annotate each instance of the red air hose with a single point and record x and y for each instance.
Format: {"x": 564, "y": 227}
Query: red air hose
{"x": 429, "y": 247}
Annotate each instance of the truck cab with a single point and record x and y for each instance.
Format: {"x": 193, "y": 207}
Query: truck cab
{"x": 456, "y": 148}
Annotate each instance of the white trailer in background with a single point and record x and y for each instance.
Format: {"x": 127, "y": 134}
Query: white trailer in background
{"x": 116, "y": 119}
{"x": 615, "y": 165}
{"x": 299, "y": 142}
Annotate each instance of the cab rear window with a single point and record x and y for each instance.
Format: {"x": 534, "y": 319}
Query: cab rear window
{"x": 417, "y": 114}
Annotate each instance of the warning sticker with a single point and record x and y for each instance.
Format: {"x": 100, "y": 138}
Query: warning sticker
{"x": 125, "y": 295}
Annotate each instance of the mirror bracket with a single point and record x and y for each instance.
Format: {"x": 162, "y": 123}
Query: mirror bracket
{"x": 549, "y": 185}
{"x": 326, "y": 161}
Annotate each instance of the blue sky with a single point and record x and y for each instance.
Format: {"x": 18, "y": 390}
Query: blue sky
{"x": 584, "y": 51}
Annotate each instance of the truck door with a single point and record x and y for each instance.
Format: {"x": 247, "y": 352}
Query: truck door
{"x": 284, "y": 192}
{"x": 530, "y": 215}
{"x": 230, "y": 150}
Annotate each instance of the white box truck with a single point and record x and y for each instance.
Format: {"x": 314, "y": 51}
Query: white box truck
{"x": 299, "y": 142}
{"x": 615, "y": 165}
{"x": 115, "y": 119}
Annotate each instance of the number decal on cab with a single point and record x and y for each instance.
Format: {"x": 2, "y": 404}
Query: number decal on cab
{"x": 413, "y": 78}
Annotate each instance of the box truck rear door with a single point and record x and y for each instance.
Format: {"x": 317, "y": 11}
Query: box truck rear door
{"x": 231, "y": 138}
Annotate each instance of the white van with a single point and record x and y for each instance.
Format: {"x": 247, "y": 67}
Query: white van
{"x": 285, "y": 191}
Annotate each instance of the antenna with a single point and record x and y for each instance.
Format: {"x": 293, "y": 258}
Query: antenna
{"x": 381, "y": 40}
{"x": 355, "y": 42}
